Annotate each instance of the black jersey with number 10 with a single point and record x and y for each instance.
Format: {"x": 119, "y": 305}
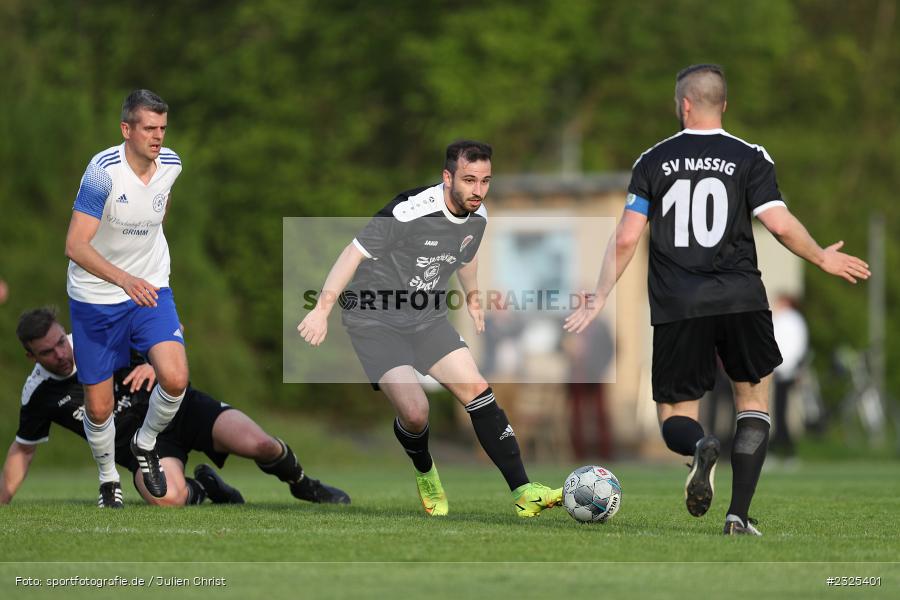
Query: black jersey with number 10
{"x": 700, "y": 190}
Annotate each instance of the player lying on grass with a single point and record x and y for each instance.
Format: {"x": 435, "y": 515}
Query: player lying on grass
{"x": 52, "y": 394}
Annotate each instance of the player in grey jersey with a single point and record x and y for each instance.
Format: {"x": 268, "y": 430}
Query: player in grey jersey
{"x": 407, "y": 252}
{"x": 699, "y": 190}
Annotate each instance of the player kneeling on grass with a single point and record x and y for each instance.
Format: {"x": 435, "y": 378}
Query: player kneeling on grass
{"x": 52, "y": 394}
{"x": 405, "y": 257}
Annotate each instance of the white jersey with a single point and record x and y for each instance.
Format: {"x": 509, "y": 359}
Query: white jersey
{"x": 131, "y": 213}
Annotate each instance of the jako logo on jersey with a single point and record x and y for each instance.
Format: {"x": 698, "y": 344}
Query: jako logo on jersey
{"x": 122, "y": 199}
{"x": 466, "y": 241}
{"x": 159, "y": 202}
{"x": 431, "y": 242}
{"x": 508, "y": 432}
{"x": 629, "y": 199}
{"x": 177, "y": 333}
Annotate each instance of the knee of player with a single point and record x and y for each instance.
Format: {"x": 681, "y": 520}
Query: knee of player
{"x": 267, "y": 449}
{"x": 98, "y": 414}
{"x": 175, "y": 381}
{"x": 473, "y": 390}
{"x": 175, "y": 496}
{"x": 414, "y": 420}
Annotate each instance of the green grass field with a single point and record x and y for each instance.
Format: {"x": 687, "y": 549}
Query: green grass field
{"x": 822, "y": 520}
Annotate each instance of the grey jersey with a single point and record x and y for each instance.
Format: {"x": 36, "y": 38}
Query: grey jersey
{"x": 414, "y": 244}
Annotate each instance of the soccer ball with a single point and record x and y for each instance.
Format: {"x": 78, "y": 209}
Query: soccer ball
{"x": 592, "y": 494}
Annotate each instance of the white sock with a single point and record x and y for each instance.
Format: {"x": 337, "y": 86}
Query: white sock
{"x": 161, "y": 412}
{"x": 102, "y": 440}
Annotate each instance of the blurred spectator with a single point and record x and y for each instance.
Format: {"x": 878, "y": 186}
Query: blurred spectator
{"x": 590, "y": 355}
{"x": 502, "y": 353}
{"x": 793, "y": 339}
{"x": 718, "y": 412}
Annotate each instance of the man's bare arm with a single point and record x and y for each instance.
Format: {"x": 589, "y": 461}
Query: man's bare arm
{"x": 82, "y": 229}
{"x": 619, "y": 252}
{"x": 794, "y": 236}
{"x": 18, "y": 460}
{"x": 314, "y": 326}
{"x": 468, "y": 279}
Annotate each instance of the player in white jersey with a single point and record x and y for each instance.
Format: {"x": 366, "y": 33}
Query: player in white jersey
{"x": 118, "y": 284}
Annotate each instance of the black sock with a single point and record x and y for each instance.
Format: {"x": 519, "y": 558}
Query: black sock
{"x": 285, "y": 467}
{"x": 747, "y": 456}
{"x": 497, "y": 438}
{"x": 416, "y": 446}
{"x": 196, "y": 493}
{"x": 681, "y": 434}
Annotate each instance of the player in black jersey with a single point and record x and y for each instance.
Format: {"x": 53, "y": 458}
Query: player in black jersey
{"x": 392, "y": 282}
{"x": 699, "y": 189}
{"x": 52, "y": 394}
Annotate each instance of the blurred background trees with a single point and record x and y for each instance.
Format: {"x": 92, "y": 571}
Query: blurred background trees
{"x": 316, "y": 108}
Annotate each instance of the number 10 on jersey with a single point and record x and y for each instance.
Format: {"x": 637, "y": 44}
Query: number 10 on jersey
{"x": 692, "y": 209}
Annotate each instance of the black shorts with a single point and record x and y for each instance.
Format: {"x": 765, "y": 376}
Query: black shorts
{"x": 190, "y": 430}
{"x": 380, "y": 348}
{"x": 684, "y": 353}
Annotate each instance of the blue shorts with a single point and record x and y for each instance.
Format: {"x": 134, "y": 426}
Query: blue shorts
{"x": 104, "y": 334}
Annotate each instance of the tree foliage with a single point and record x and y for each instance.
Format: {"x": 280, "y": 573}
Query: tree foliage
{"x": 315, "y": 108}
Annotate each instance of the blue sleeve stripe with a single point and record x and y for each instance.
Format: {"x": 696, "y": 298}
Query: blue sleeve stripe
{"x": 93, "y": 192}
{"x": 167, "y": 156}
{"x": 637, "y": 204}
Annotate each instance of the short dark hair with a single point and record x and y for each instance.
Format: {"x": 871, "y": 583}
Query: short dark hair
{"x": 34, "y": 324}
{"x": 467, "y": 149}
{"x": 704, "y": 67}
{"x": 139, "y": 99}
{"x": 714, "y": 95}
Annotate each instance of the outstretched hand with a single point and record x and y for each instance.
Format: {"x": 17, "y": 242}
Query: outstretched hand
{"x": 314, "y": 327}
{"x": 589, "y": 306}
{"x": 140, "y": 375}
{"x": 843, "y": 265}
